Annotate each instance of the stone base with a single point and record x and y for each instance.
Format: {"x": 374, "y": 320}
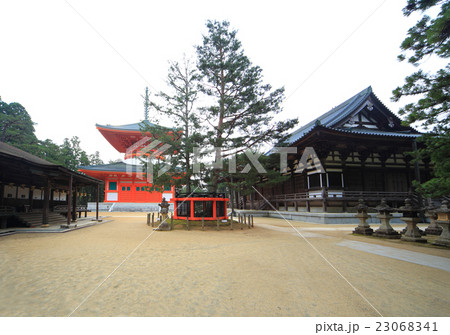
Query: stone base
{"x": 363, "y": 231}
{"x": 433, "y": 231}
{"x": 390, "y": 234}
{"x": 67, "y": 226}
{"x": 413, "y": 239}
{"x": 163, "y": 227}
{"x": 442, "y": 243}
{"x": 422, "y": 233}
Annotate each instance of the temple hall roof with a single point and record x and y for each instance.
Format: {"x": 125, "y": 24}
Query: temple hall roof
{"x": 364, "y": 114}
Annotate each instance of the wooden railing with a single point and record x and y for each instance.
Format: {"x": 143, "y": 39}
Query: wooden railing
{"x": 62, "y": 209}
{"x": 7, "y": 210}
{"x": 344, "y": 195}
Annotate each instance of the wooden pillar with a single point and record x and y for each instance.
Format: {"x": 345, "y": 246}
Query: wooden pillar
{"x": 46, "y": 208}
{"x": 30, "y": 199}
{"x": 69, "y": 201}
{"x": 2, "y": 193}
{"x": 74, "y": 204}
{"x": 324, "y": 199}
{"x": 97, "y": 201}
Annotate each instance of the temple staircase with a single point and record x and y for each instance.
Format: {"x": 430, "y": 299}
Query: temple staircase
{"x": 34, "y": 219}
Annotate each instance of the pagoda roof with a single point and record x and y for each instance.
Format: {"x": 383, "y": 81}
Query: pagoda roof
{"x": 134, "y": 127}
{"x": 103, "y": 170}
{"x": 362, "y": 114}
{"x": 113, "y": 167}
{"x": 123, "y": 137}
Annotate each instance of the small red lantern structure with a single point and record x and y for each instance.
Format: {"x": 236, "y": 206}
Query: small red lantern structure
{"x": 195, "y": 206}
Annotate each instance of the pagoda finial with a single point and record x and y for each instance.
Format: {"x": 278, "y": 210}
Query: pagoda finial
{"x": 146, "y": 104}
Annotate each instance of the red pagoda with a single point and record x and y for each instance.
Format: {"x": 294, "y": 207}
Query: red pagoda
{"x": 126, "y": 183}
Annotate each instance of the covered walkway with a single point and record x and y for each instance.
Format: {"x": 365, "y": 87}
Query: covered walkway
{"x": 31, "y": 184}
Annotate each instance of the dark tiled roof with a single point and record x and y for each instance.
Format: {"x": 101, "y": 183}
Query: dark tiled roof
{"x": 114, "y": 167}
{"x": 9, "y": 152}
{"x": 16, "y": 152}
{"x": 129, "y": 127}
{"x": 336, "y": 115}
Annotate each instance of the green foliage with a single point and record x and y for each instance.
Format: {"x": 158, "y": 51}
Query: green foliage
{"x": 178, "y": 105}
{"x": 429, "y": 37}
{"x": 244, "y": 109}
{"x": 246, "y": 176}
{"x": 438, "y": 150}
{"x": 16, "y": 127}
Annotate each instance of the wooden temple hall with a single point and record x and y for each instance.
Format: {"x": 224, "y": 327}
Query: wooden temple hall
{"x": 34, "y": 192}
{"x": 362, "y": 147}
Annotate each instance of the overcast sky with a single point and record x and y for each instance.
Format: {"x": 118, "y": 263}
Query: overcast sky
{"x": 76, "y": 63}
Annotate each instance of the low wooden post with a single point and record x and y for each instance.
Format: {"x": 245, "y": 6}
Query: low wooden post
{"x": 218, "y": 228}
{"x": 153, "y": 219}
{"x": 148, "y": 219}
{"x": 187, "y": 223}
{"x": 252, "y": 221}
{"x": 240, "y": 221}
{"x": 203, "y": 223}
{"x": 171, "y": 222}
{"x": 231, "y": 221}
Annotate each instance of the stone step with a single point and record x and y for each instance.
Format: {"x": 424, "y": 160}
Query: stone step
{"x": 35, "y": 219}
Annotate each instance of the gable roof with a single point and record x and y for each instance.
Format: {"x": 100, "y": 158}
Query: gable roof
{"x": 128, "y": 127}
{"x": 18, "y": 163}
{"x": 365, "y": 102}
{"x": 9, "y": 150}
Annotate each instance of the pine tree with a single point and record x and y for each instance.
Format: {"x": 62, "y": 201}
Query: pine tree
{"x": 16, "y": 126}
{"x": 243, "y": 112}
{"x": 430, "y": 37}
{"x": 179, "y": 106}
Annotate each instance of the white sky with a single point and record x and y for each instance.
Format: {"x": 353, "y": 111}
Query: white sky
{"x": 69, "y": 78}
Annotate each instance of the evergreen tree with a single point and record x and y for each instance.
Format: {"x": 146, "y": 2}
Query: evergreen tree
{"x": 50, "y": 151}
{"x": 242, "y": 115}
{"x": 178, "y": 106}
{"x": 17, "y": 129}
{"x": 72, "y": 156}
{"x": 240, "y": 177}
{"x": 430, "y": 37}
{"x": 16, "y": 126}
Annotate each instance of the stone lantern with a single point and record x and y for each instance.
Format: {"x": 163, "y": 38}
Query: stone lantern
{"x": 363, "y": 227}
{"x": 433, "y": 228}
{"x": 443, "y": 219}
{"x": 410, "y": 217}
{"x": 384, "y": 214}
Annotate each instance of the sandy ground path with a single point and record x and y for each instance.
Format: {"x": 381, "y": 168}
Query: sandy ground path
{"x": 265, "y": 271}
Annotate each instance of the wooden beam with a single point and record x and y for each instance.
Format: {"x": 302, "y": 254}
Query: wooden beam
{"x": 45, "y": 209}
{"x": 69, "y": 201}
{"x": 96, "y": 205}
